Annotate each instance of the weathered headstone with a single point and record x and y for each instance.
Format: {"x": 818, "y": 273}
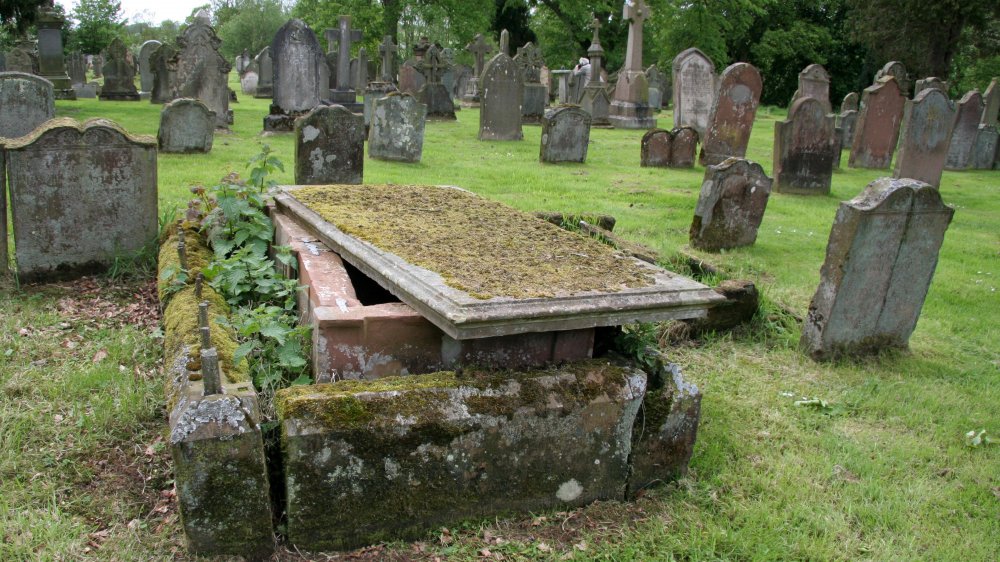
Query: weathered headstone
{"x": 657, "y": 86}
{"x": 561, "y": 79}
{"x": 931, "y": 82}
{"x": 145, "y": 69}
{"x": 924, "y": 137}
{"x": 76, "y": 67}
{"x": 87, "y": 91}
{"x": 963, "y": 136}
{"x": 397, "y": 128}
{"x": 991, "y": 101}
{"x": 387, "y": 51}
{"x": 19, "y": 60}
{"x": 97, "y": 63}
{"x": 730, "y": 206}
{"x": 880, "y": 259}
{"x": 805, "y": 149}
{"x": 26, "y": 101}
{"x": 565, "y": 135}
{"x": 595, "y": 98}
{"x": 329, "y": 146}
{"x": 81, "y": 194}
{"x": 669, "y": 149}
{"x": 846, "y": 123}
{"x": 434, "y": 94}
{"x": 479, "y": 49}
{"x": 163, "y": 64}
{"x": 986, "y": 150}
{"x": 535, "y": 99}
{"x": 186, "y": 125}
{"x": 850, "y": 102}
{"x": 242, "y": 62}
{"x": 685, "y": 147}
{"x": 464, "y": 76}
{"x": 119, "y": 74}
{"x": 630, "y": 107}
{"x": 51, "y": 64}
{"x": 814, "y": 82}
{"x": 410, "y": 79}
{"x": 344, "y": 36}
{"x": 897, "y": 71}
{"x": 203, "y": 73}
{"x": 732, "y": 116}
{"x": 502, "y": 92}
{"x": 300, "y": 75}
{"x": 249, "y": 81}
{"x": 694, "y": 89}
{"x": 877, "y": 129}
{"x": 265, "y": 71}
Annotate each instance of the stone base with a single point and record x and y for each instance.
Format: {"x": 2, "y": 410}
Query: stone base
{"x": 595, "y": 102}
{"x": 86, "y": 91}
{"x": 68, "y": 94}
{"x": 118, "y": 96}
{"x": 264, "y": 92}
{"x": 281, "y": 122}
{"x": 627, "y": 115}
{"x": 348, "y": 99}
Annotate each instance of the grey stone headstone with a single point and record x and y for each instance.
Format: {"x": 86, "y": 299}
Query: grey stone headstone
{"x": 846, "y": 122}
{"x": 410, "y": 79}
{"x": 397, "y": 128}
{"x": 986, "y": 151}
{"x": 119, "y": 74}
{"x": 265, "y": 69}
{"x": 76, "y": 67}
{"x": 202, "y": 72}
{"x": 897, "y": 71}
{"x": 877, "y": 129}
{"x": 730, "y": 206}
{"x": 850, "y": 102}
{"x": 565, "y": 135}
{"x": 145, "y": 70}
{"x": 963, "y": 136}
{"x": 880, "y": 259}
{"x": 163, "y": 65}
{"x": 248, "y": 82}
{"x": 694, "y": 89}
{"x": 733, "y": 112}
{"x": 805, "y": 149}
{"x": 19, "y": 60}
{"x": 329, "y": 147}
{"x": 814, "y": 82}
{"x": 81, "y": 194}
{"x": 657, "y": 86}
{"x": 97, "y": 62}
{"x": 502, "y": 93}
{"x": 86, "y": 91}
{"x": 186, "y": 125}
{"x": 535, "y": 99}
{"x": 991, "y": 99}
{"x": 300, "y": 75}
{"x": 931, "y": 82}
{"x": 26, "y": 101}
{"x": 924, "y": 137}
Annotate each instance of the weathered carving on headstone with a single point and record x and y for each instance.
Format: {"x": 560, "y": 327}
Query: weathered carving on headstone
{"x": 694, "y": 90}
{"x": 186, "y": 125}
{"x": 963, "y": 135}
{"x": 669, "y": 149}
{"x": 925, "y": 134}
{"x": 119, "y": 74}
{"x": 300, "y": 75}
{"x": 203, "y": 73}
{"x": 880, "y": 259}
{"x": 343, "y": 94}
{"x": 502, "y": 92}
{"x": 805, "y": 149}
{"x": 733, "y": 112}
{"x": 529, "y": 60}
{"x": 26, "y": 101}
{"x": 329, "y": 146}
{"x": 877, "y": 129}
{"x": 814, "y": 82}
{"x": 397, "y": 128}
{"x": 730, "y": 206}
{"x": 433, "y": 93}
{"x": 565, "y": 135}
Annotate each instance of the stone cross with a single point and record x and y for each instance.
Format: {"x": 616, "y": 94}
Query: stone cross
{"x": 636, "y": 12}
{"x": 388, "y": 51}
{"x": 344, "y": 36}
{"x": 479, "y": 49}
{"x": 505, "y": 42}
{"x": 596, "y": 26}
{"x": 596, "y": 53}
{"x": 431, "y": 66}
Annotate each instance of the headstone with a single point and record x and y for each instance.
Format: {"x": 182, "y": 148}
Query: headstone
{"x": 433, "y": 93}
{"x": 361, "y": 70}
{"x": 163, "y": 64}
{"x": 448, "y": 75}
{"x": 880, "y": 259}
{"x": 145, "y": 69}
{"x": 931, "y": 82}
{"x": 846, "y": 123}
{"x": 329, "y": 147}
{"x": 410, "y": 79}
{"x": 387, "y": 51}
{"x": 877, "y": 129}
{"x": 565, "y": 135}
{"x": 186, "y": 125}
{"x": 119, "y": 74}
{"x": 300, "y": 75}
{"x": 243, "y": 62}
{"x": 963, "y": 136}
{"x": 535, "y": 99}
{"x": 203, "y": 73}
{"x": 694, "y": 90}
{"x": 464, "y": 76}
{"x": 730, "y": 206}
{"x": 814, "y": 82}
{"x": 897, "y": 71}
{"x": 51, "y": 64}
{"x": 385, "y": 84}
{"x": 502, "y": 92}
{"x": 19, "y": 60}
{"x": 657, "y": 85}
{"x": 669, "y": 149}
{"x": 76, "y": 67}
{"x": 26, "y": 101}
{"x": 850, "y": 102}
{"x": 97, "y": 64}
{"x": 479, "y": 49}
{"x": 595, "y": 98}
{"x": 265, "y": 70}
{"x": 249, "y": 81}
{"x": 81, "y": 195}
{"x": 87, "y": 91}
{"x": 545, "y": 77}
{"x": 344, "y": 36}
{"x": 924, "y": 137}
{"x": 991, "y": 101}
{"x": 805, "y": 149}
{"x": 630, "y": 107}
{"x": 397, "y": 128}
{"x": 732, "y": 116}
{"x": 986, "y": 150}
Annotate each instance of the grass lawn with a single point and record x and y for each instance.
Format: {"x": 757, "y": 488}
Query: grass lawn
{"x": 882, "y": 472}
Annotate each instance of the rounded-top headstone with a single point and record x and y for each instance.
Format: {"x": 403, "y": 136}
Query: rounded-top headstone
{"x": 733, "y": 113}
{"x": 693, "y": 89}
{"x": 26, "y": 101}
{"x": 186, "y": 125}
{"x": 301, "y": 75}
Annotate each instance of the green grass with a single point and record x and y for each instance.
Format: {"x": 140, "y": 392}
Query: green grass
{"x": 882, "y": 474}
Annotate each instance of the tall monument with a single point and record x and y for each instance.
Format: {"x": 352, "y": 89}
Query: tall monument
{"x": 51, "y": 64}
{"x": 630, "y": 108}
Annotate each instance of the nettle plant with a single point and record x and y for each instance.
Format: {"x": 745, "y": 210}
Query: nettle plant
{"x": 263, "y": 301}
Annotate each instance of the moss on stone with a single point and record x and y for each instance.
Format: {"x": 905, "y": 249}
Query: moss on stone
{"x": 180, "y": 328}
{"x": 198, "y": 256}
{"x": 476, "y": 245}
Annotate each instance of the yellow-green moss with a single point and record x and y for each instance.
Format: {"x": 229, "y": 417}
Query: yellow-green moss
{"x": 180, "y": 328}
{"x": 198, "y": 256}
{"x": 478, "y": 246}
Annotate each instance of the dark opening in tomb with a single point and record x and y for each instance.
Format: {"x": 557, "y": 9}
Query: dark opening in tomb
{"x": 368, "y": 291}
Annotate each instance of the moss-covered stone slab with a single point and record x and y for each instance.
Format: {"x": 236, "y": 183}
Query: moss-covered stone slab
{"x": 476, "y": 268}
{"x": 393, "y": 458}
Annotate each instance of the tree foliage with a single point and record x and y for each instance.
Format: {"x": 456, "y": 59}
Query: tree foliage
{"x": 250, "y": 26}
{"x": 97, "y": 23}
{"x": 18, "y": 15}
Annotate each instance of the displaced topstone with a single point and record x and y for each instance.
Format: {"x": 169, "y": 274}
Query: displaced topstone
{"x": 850, "y": 103}
{"x": 119, "y": 74}
{"x": 991, "y": 101}
{"x": 630, "y": 107}
{"x": 65, "y": 175}
{"x": 26, "y": 101}
{"x": 453, "y": 447}
{"x": 986, "y": 151}
{"x": 877, "y": 129}
{"x": 805, "y": 149}
{"x": 163, "y": 65}
{"x": 931, "y": 82}
{"x": 925, "y": 134}
{"x": 963, "y": 136}
{"x": 301, "y": 76}
{"x": 397, "y": 128}
{"x": 730, "y": 206}
{"x": 882, "y": 253}
{"x": 502, "y": 93}
{"x": 203, "y": 73}
{"x": 535, "y": 99}
{"x": 434, "y": 94}
{"x": 565, "y": 135}
{"x": 145, "y": 70}
{"x": 670, "y": 149}
{"x": 265, "y": 69}
{"x": 186, "y": 125}
{"x": 814, "y": 82}
{"x": 694, "y": 89}
{"x": 329, "y": 147}
{"x": 732, "y": 116}
{"x": 896, "y": 70}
